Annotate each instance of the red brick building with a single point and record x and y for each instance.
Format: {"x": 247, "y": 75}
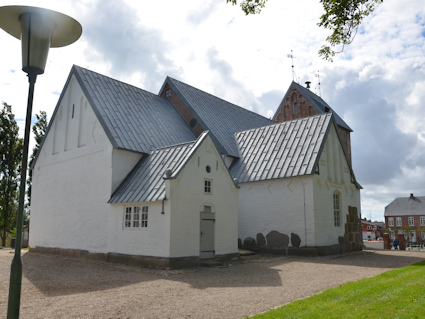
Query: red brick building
{"x": 372, "y": 230}
{"x": 406, "y": 215}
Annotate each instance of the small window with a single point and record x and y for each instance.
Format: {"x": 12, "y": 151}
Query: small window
{"x": 136, "y": 217}
{"x": 144, "y": 216}
{"x": 208, "y": 169}
{"x": 398, "y": 221}
{"x": 207, "y": 209}
{"x": 127, "y": 217}
{"x": 422, "y": 220}
{"x": 73, "y": 110}
{"x": 390, "y": 222}
{"x": 168, "y": 93}
{"x": 337, "y": 210}
{"x": 369, "y": 227}
{"x": 411, "y": 221}
{"x": 207, "y": 186}
{"x": 294, "y": 108}
{"x": 192, "y": 123}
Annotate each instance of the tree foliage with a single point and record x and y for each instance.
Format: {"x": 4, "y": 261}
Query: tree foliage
{"x": 342, "y": 17}
{"x": 39, "y": 129}
{"x": 11, "y": 147}
{"x": 250, "y": 6}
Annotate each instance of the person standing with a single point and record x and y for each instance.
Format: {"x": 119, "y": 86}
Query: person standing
{"x": 395, "y": 243}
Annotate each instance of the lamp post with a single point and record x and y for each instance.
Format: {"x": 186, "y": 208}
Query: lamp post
{"x": 38, "y": 29}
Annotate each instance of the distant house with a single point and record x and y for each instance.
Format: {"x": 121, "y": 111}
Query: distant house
{"x": 170, "y": 179}
{"x": 404, "y": 215}
{"x": 372, "y": 230}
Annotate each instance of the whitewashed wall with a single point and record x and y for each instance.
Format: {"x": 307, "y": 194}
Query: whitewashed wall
{"x": 334, "y": 176}
{"x": 151, "y": 241}
{"x": 284, "y": 205}
{"x": 187, "y": 199}
{"x": 72, "y": 179}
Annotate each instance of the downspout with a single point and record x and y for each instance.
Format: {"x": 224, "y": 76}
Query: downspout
{"x": 164, "y": 199}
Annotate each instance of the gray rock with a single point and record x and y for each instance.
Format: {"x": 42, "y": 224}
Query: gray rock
{"x": 261, "y": 240}
{"x": 277, "y": 240}
{"x": 295, "y": 240}
{"x": 249, "y": 241}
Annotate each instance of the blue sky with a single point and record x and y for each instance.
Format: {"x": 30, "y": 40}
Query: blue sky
{"x": 377, "y": 85}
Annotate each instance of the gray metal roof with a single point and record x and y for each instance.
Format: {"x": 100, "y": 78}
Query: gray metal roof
{"x": 316, "y": 101}
{"x": 132, "y": 118}
{"x": 221, "y": 118}
{"x": 406, "y": 206}
{"x": 286, "y": 149}
{"x": 145, "y": 183}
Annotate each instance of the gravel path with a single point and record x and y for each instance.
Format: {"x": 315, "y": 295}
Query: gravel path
{"x": 64, "y": 287}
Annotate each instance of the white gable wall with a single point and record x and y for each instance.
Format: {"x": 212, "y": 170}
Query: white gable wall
{"x": 334, "y": 177}
{"x": 72, "y": 179}
{"x": 187, "y": 200}
{"x": 284, "y": 205}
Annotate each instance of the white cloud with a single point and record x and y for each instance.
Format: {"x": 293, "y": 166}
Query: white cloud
{"x": 376, "y": 85}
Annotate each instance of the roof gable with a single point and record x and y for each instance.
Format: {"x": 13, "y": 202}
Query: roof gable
{"x": 221, "y": 118}
{"x": 132, "y": 118}
{"x": 406, "y": 206}
{"x": 286, "y": 149}
{"x": 146, "y": 181}
{"x": 316, "y": 101}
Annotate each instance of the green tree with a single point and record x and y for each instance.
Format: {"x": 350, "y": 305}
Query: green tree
{"x": 11, "y": 147}
{"x": 39, "y": 129}
{"x": 342, "y": 17}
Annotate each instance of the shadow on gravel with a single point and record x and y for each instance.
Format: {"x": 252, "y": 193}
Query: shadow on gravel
{"x": 58, "y": 275}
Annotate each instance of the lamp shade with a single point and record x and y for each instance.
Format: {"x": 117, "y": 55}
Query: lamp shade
{"x": 39, "y": 29}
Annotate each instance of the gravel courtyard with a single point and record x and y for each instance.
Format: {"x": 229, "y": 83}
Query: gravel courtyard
{"x": 64, "y": 287}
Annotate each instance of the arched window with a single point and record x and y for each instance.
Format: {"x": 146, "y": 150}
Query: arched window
{"x": 337, "y": 209}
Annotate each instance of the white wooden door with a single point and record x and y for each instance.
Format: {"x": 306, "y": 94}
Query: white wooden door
{"x": 207, "y": 235}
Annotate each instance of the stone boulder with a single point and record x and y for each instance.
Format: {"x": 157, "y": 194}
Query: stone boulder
{"x": 277, "y": 240}
{"x": 295, "y": 240}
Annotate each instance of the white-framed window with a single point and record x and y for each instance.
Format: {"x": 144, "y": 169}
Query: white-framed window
{"x": 369, "y": 227}
{"x": 168, "y": 93}
{"x": 144, "y": 221}
{"x": 398, "y": 221}
{"x": 390, "y": 222}
{"x": 423, "y": 234}
{"x": 337, "y": 210}
{"x": 136, "y": 217}
{"x": 208, "y": 186}
{"x": 392, "y": 234}
{"x": 422, "y": 219}
{"x": 400, "y": 232}
{"x": 411, "y": 221}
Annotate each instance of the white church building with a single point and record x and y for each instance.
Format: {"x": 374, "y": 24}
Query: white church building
{"x": 169, "y": 179}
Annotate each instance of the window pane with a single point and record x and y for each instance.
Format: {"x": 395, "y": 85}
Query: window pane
{"x": 136, "y": 217}
{"x": 144, "y": 216}
{"x": 127, "y": 222}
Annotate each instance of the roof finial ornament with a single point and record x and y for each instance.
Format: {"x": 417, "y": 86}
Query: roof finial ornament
{"x": 292, "y": 57}
{"x": 318, "y": 76}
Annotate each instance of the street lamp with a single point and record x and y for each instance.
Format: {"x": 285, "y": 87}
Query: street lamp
{"x": 38, "y": 29}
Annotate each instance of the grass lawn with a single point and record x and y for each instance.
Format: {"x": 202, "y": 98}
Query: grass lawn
{"x": 398, "y": 293}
